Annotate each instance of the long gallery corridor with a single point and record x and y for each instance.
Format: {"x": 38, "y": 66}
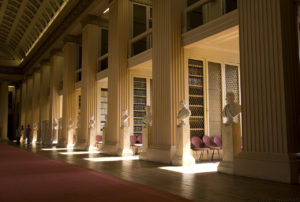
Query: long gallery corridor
{"x": 206, "y": 186}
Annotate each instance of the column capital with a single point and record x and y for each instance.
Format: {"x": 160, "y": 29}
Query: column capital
{"x": 72, "y": 39}
{"x": 56, "y": 52}
{"x": 94, "y": 20}
{"x": 45, "y": 62}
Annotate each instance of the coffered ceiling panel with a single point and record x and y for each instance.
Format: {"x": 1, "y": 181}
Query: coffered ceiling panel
{"x": 22, "y": 24}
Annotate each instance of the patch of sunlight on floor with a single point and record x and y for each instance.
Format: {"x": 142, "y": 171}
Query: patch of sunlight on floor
{"x": 117, "y": 158}
{"x": 79, "y": 152}
{"x": 197, "y": 168}
{"x": 55, "y": 149}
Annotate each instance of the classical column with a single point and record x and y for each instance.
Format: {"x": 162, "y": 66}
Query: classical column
{"x": 57, "y": 63}
{"x": 28, "y": 102}
{"x": 23, "y": 101}
{"x": 36, "y": 106}
{"x": 90, "y": 47}
{"x": 44, "y": 103}
{"x": 118, "y": 74}
{"x": 270, "y": 90}
{"x": 169, "y": 78}
{"x": 3, "y": 110}
{"x": 70, "y": 55}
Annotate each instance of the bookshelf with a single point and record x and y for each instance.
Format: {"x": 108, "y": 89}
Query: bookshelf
{"x": 103, "y": 107}
{"x": 196, "y": 97}
{"x": 139, "y": 104}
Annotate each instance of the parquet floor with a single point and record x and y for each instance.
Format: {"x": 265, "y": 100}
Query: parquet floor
{"x": 211, "y": 186}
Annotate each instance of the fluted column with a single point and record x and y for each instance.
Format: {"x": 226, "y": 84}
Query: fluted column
{"x": 44, "y": 102}
{"x": 168, "y": 75}
{"x": 270, "y": 90}
{"x": 118, "y": 74}
{"x": 3, "y": 110}
{"x": 57, "y": 63}
{"x": 23, "y": 101}
{"x": 36, "y": 104}
{"x": 70, "y": 55}
{"x": 28, "y": 102}
{"x": 90, "y": 37}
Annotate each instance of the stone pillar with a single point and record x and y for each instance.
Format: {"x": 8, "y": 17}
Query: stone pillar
{"x": 169, "y": 78}
{"x": 44, "y": 103}
{"x": 36, "y": 106}
{"x": 90, "y": 47}
{"x": 270, "y": 90}
{"x": 3, "y": 110}
{"x": 23, "y": 101}
{"x": 57, "y": 63}
{"x": 28, "y": 102}
{"x": 118, "y": 74}
{"x": 70, "y": 55}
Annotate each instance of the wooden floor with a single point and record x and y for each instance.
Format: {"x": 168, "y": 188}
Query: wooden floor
{"x": 210, "y": 186}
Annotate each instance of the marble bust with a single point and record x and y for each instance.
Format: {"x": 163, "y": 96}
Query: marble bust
{"x": 70, "y": 124}
{"x": 232, "y": 109}
{"x": 148, "y": 117}
{"x": 55, "y": 124}
{"x": 92, "y": 122}
{"x": 34, "y": 126}
{"x": 124, "y": 118}
{"x": 183, "y": 113}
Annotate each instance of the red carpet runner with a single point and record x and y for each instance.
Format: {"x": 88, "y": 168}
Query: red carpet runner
{"x": 27, "y": 177}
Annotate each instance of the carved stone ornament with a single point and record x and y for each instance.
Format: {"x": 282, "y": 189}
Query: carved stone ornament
{"x": 232, "y": 109}
{"x": 148, "y": 117}
{"x": 183, "y": 113}
{"x": 124, "y": 118}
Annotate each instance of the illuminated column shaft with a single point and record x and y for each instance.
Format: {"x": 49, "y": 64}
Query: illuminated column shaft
{"x": 270, "y": 90}
{"x": 44, "y": 101}
{"x": 23, "y": 101}
{"x": 70, "y": 55}
{"x": 169, "y": 78}
{"x": 36, "y": 102}
{"x": 118, "y": 74}
{"x": 57, "y": 63}
{"x": 28, "y": 102}
{"x": 3, "y": 110}
{"x": 90, "y": 37}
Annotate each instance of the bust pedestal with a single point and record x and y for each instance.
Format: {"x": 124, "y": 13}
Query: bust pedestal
{"x": 70, "y": 137}
{"x": 183, "y": 147}
{"x": 231, "y": 145}
{"x": 92, "y": 134}
{"x": 146, "y": 131}
{"x": 124, "y": 147}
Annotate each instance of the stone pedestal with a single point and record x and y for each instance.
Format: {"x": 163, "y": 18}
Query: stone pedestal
{"x": 143, "y": 154}
{"x": 92, "y": 135}
{"x": 231, "y": 145}
{"x": 70, "y": 138}
{"x": 34, "y": 135}
{"x": 124, "y": 146}
{"x": 54, "y": 136}
{"x": 183, "y": 147}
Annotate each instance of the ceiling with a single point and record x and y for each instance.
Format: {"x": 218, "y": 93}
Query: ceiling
{"x": 23, "y": 24}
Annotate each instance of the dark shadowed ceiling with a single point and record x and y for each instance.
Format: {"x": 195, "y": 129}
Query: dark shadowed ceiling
{"x": 23, "y": 23}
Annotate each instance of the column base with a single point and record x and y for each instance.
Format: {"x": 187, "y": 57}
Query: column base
{"x": 143, "y": 156}
{"x": 125, "y": 152}
{"x": 110, "y": 148}
{"x": 268, "y": 166}
{"x": 226, "y": 167}
{"x": 81, "y": 144}
{"x": 186, "y": 160}
{"x": 161, "y": 154}
{"x": 62, "y": 142}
